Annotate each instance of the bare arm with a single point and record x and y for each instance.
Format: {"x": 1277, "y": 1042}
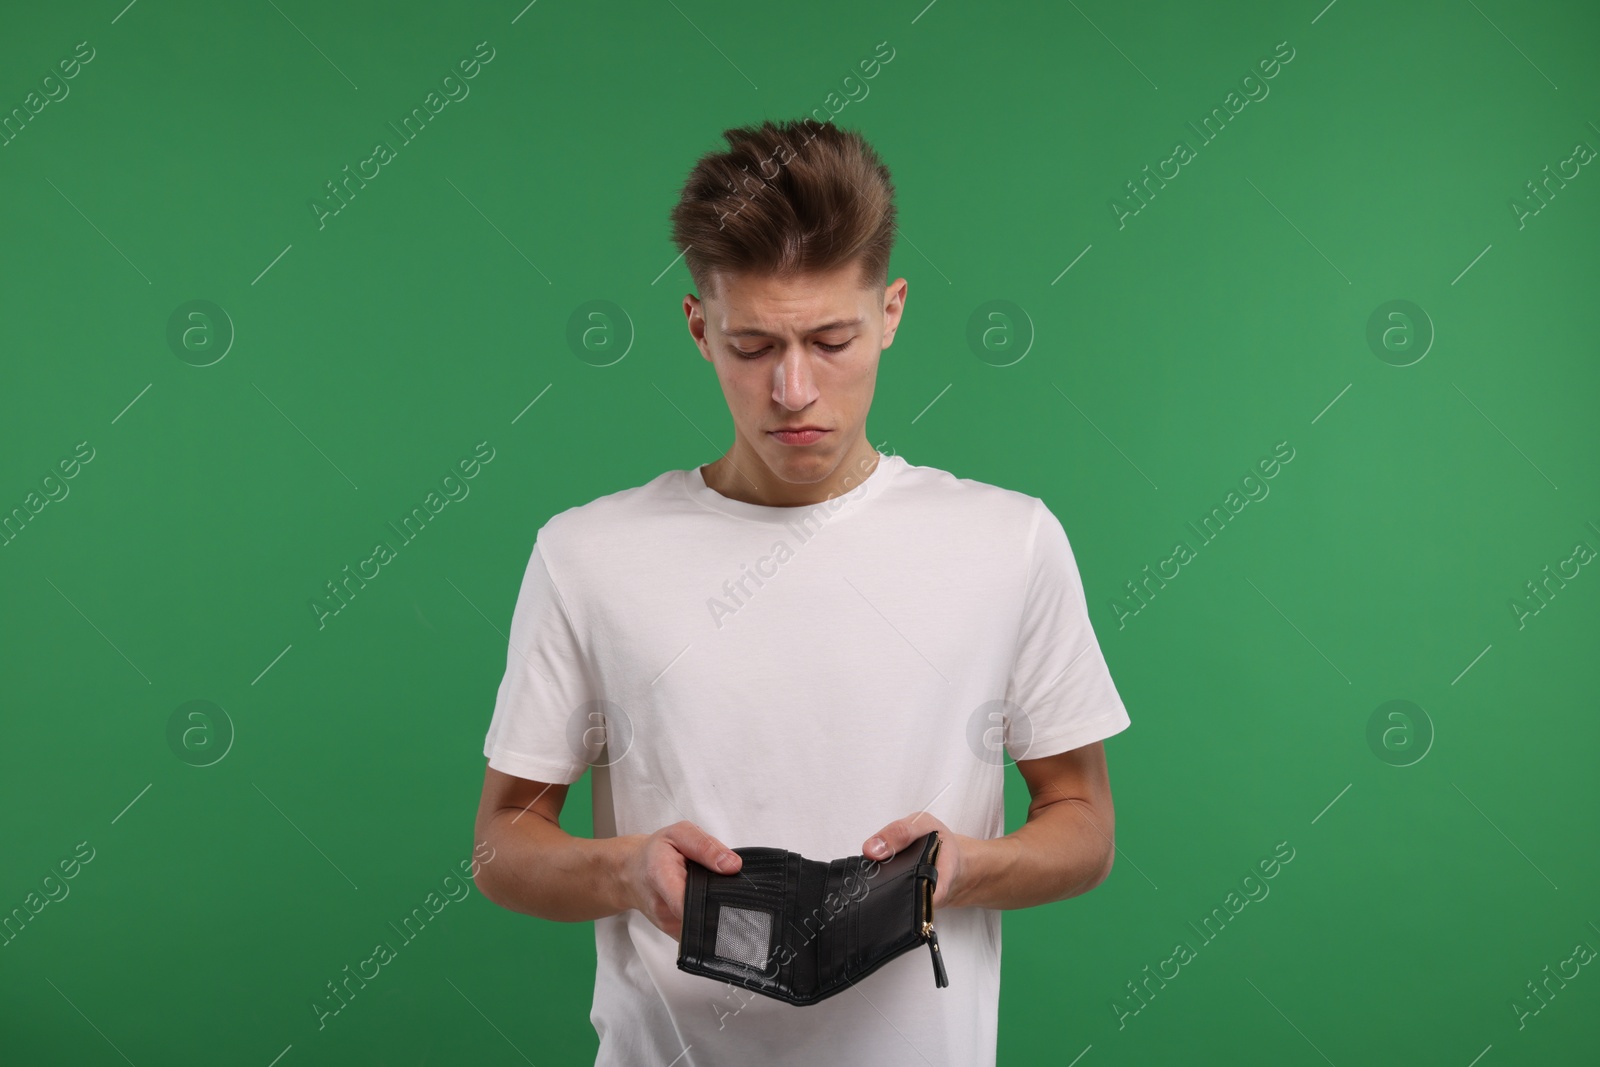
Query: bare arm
{"x": 541, "y": 870}
{"x": 538, "y": 868}
{"x": 1063, "y": 850}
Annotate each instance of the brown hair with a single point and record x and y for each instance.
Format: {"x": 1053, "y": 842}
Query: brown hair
{"x": 787, "y": 198}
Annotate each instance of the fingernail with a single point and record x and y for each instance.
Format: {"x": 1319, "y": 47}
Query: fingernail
{"x": 726, "y": 863}
{"x": 876, "y": 846}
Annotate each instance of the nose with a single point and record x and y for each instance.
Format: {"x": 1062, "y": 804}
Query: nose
{"x": 793, "y": 383}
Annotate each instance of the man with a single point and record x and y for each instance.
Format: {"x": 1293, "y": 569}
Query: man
{"x": 805, "y": 644}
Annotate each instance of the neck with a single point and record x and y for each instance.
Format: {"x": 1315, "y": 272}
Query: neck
{"x": 741, "y": 474}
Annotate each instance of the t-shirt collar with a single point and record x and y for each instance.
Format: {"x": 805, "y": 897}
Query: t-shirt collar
{"x": 695, "y": 487}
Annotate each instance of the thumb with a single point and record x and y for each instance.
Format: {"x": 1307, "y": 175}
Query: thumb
{"x": 883, "y": 844}
{"x": 724, "y": 859}
{"x": 709, "y": 852}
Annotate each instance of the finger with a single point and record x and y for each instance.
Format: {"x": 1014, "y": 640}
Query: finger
{"x": 665, "y": 917}
{"x": 704, "y": 849}
{"x": 886, "y": 842}
{"x": 668, "y": 925}
{"x": 672, "y": 887}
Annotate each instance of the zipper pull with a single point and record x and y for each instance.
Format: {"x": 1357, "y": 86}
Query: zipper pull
{"x": 939, "y": 977}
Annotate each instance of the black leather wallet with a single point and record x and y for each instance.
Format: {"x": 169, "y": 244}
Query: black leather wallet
{"x": 801, "y": 930}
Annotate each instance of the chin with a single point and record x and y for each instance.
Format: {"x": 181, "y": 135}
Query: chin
{"x": 803, "y": 469}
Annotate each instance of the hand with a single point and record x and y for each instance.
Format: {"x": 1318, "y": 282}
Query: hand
{"x": 952, "y": 849}
{"x": 655, "y": 873}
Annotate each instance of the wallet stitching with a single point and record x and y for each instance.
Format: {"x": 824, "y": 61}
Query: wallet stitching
{"x": 694, "y": 961}
{"x": 785, "y": 977}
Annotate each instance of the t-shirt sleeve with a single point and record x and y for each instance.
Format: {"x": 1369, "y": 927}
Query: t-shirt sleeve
{"x": 1060, "y": 680}
{"x": 538, "y": 730}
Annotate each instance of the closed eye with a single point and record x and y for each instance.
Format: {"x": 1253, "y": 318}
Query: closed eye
{"x": 763, "y": 351}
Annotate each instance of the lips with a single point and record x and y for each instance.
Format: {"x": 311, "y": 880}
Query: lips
{"x": 800, "y": 436}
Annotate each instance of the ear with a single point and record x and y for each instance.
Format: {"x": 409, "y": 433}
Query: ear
{"x": 894, "y": 303}
{"x": 694, "y": 312}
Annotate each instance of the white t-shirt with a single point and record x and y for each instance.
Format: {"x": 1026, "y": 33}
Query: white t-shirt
{"x": 797, "y": 678}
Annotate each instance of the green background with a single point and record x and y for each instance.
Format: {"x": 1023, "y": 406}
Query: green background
{"x": 371, "y": 354}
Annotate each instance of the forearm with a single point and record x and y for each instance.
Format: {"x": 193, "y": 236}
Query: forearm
{"x": 1063, "y": 850}
{"x": 541, "y": 870}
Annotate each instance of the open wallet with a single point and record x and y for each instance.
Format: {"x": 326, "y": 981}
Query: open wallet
{"x": 800, "y": 930}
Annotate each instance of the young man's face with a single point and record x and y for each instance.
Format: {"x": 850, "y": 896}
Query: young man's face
{"x": 797, "y": 352}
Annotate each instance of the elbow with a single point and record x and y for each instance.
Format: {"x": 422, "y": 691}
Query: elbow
{"x": 485, "y": 886}
{"x": 483, "y": 854}
{"x": 1105, "y": 867}
{"x": 1102, "y": 871}
{"x": 1107, "y": 838}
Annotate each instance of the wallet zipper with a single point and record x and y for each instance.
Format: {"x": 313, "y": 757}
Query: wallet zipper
{"x": 939, "y": 977}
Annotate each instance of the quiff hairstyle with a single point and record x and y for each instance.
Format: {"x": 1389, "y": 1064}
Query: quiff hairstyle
{"x": 785, "y": 199}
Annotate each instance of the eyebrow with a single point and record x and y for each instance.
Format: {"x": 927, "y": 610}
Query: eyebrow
{"x": 753, "y": 331}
